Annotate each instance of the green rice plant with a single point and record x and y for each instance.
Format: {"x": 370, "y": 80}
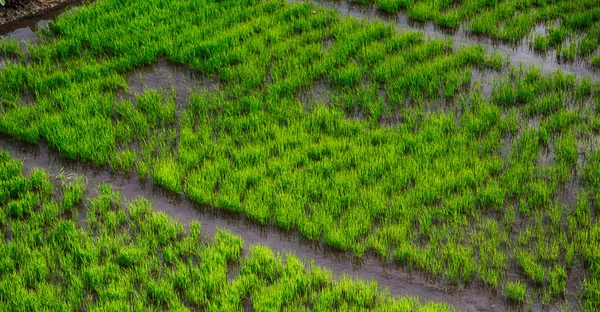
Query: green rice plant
{"x": 421, "y": 11}
{"x": 557, "y": 281}
{"x": 541, "y": 43}
{"x": 595, "y": 60}
{"x": 116, "y": 266}
{"x": 515, "y": 291}
{"x": 9, "y": 47}
{"x": 41, "y": 181}
{"x": 566, "y": 51}
{"x": 587, "y": 45}
{"x": 591, "y": 291}
{"x": 363, "y": 1}
{"x": 556, "y": 36}
{"x": 531, "y": 267}
{"x": 566, "y": 149}
{"x": 22, "y": 206}
{"x": 450, "y": 19}
{"x": 167, "y": 173}
{"x": 124, "y": 160}
{"x": 483, "y": 24}
{"x": 391, "y": 6}
{"x": 72, "y": 192}
{"x": 403, "y": 156}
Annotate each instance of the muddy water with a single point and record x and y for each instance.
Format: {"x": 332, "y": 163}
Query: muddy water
{"x": 398, "y": 281}
{"x": 165, "y": 75}
{"x": 25, "y": 29}
{"x": 174, "y": 79}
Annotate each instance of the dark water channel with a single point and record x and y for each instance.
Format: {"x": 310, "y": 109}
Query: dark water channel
{"x": 25, "y": 29}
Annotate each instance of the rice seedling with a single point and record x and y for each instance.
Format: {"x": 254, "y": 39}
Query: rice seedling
{"x": 515, "y": 291}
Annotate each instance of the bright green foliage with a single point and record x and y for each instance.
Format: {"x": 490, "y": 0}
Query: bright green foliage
{"x": 515, "y": 291}
{"x": 9, "y": 47}
{"x": 407, "y": 155}
{"x": 128, "y": 257}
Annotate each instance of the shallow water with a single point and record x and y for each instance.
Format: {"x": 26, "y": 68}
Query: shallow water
{"x": 177, "y": 80}
{"x": 24, "y": 29}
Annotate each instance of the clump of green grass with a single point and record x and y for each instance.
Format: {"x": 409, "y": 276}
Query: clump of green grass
{"x": 124, "y": 160}
{"x": 10, "y": 47}
{"x": 167, "y": 174}
{"x": 595, "y": 59}
{"x": 541, "y": 43}
{"x": 515, "y": 291}
{"x": 73, "y": 188}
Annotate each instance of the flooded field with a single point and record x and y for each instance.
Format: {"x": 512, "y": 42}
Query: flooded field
{"x": 438, "y": 163}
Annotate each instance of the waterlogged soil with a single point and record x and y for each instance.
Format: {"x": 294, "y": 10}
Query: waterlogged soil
{"x": 182, "y": 81}
{"x": 399, "y": 281}
{"x": 178, "y": 80}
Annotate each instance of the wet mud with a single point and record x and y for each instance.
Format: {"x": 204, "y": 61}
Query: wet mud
{"x": 174, "y": 79}
{"x": 22, "y": 21}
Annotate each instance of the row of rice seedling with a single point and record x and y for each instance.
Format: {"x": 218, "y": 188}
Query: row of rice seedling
{"x": 127, "y": 256}
{"x": 570, "y": 28}
{"x": 458, "y": 186}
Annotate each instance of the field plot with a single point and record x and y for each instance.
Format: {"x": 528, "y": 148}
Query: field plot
{"x": 570, "y": 29}
{"x": 518, "y": 51}
{"x": 442, "y": 159}
{"x": 63, "y": 250}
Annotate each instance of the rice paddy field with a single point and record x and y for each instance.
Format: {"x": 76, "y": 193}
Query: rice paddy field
{"x": 122, "y": 255}
{"x": 473, "y": 171}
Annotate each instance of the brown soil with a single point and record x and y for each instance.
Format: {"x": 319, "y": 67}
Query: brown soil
{"x": 34, "y": 8}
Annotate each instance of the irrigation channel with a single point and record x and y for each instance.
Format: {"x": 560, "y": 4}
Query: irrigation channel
{"x": 25, "y": 28}
{"x": 164, "y": 75}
